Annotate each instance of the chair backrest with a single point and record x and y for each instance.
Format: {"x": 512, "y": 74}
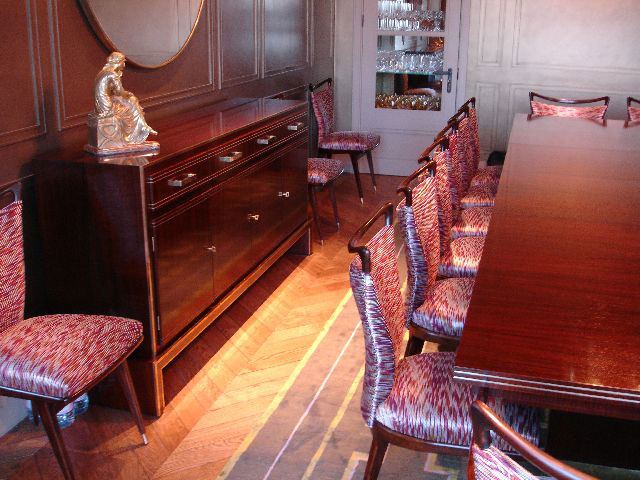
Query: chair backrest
{"x": 488, "y": 463}
{"x": 445, "y": 207}
{"x": 375, "y": 283}
{"x": 419, "y": 223}
{"x": 475, "y": 139}
{"x": 633, "y": 113}
{"x": 12, "y": 283}
{"x": 542, "y": 109}
{"x": 322, "y": 104}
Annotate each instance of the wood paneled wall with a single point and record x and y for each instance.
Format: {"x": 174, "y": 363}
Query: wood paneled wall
{"x": 50, "y": 55}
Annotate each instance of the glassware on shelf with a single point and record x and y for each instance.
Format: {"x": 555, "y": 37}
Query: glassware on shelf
{"x": 404, "y": 16}
{"x": 407, "y": 102}
{"x": 400, "y": 61}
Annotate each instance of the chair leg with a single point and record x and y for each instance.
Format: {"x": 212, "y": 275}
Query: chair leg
{"x": 332, "y": 196}
{"x": 314, "y": 209}
{"x": 34, "y": 412}
{"x": 376, "y": 456}
{"x": 371, "y": 172}
{"x": 124, "y": 377}
{"x": 52, "y": 428}
{"x": 414, "y": 346}
{"x": 356, "y": 172}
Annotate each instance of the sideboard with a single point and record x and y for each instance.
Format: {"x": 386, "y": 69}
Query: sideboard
{"x": 173, "y": 238}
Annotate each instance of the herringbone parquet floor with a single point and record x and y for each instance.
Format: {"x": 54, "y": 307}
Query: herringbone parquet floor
{"x": 219, "y": 388}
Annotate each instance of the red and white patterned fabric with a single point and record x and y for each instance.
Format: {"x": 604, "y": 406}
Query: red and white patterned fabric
{"x": 445, "y": 209}
{"x": 350, "y": 141}
{"x": 487, "y": 176}
{"x": 475, "y": 139}
{"x": 323, "y": 170}
{"x": 11, "y": 266}
{"x": 458, "y": 170}
{"x": 465, "y": 142}
{"x": 379, "y": 301}
{"x": 491, "y": 464}
{"x": 542, "y": 109}
{"x": 322, "y": 103}
{"x": 480, "y": 196}
{"x": 634, "y": 114}
{"x": 426, "y": 403}
{"x": 445, "y": 309}
{"x": 60, "y": 355}
{"x": 462, "y": 258}
{"x": 473, "y": 222}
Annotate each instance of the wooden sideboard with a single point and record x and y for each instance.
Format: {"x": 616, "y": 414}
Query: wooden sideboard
{"x": 173, "y": 238}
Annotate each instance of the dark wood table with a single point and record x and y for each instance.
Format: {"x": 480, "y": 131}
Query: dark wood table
{"x": 554, "y": 320}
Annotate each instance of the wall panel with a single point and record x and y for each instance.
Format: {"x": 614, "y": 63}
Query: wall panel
{"x": 239, "y": 48}
{"x": 286, "y": 35}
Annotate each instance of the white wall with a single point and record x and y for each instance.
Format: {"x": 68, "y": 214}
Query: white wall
{"x": 12, "y": 411}
{"x": 575, "y": 49}
{"x": 343, "y": 69}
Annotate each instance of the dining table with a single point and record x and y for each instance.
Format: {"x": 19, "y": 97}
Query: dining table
{"x": 554, "y": 319}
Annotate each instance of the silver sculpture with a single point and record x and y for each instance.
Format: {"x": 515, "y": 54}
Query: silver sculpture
{"x": 117, "y": 123}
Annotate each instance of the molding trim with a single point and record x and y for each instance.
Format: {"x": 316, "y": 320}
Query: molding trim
{"x": 487, "y": 95}
{"x": 289, "y": 68}
{"x": 499, "y": 53}
{"x": 255, "y": 75}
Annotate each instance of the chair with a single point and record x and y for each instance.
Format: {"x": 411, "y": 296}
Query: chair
{"x": 633, "y": 113}
{"x": 435, "y": 309}
{"x": 321, "y": 173}
{"x": 54, "y": 359}
{"x": 542, "y": 109}
{"x": 411, "y": 402}
{"x": 354, "y": 144}
{"x": 488, "y": 463}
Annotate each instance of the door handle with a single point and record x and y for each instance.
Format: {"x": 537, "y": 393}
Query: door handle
{"x": 283, "y": 194}
{"x": 449, "y": 73}
{"x": 266, "y": 140}
{"x": 253, "y": 217}
{"x": 186, "y": 179}
{"x": 231, "y": 157}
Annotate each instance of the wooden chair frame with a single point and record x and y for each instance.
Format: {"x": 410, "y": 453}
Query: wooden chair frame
{"x": 629, "y": 101}
{"x": 353, "y": 155}
{"x": 485, "y": 421}
{"x": 313, "y": 190}
{"x": 569, "y": 101}
{"x": 46, "y": 407}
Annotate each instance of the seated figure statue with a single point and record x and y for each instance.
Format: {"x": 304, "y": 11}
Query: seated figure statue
{"x": 117, "y": 124}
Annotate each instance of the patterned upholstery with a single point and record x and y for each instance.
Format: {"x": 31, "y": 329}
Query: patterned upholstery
{"x": 422, "y": 245}
{"x": 480, "y": 196}
{"x": 11, "y": 266}
{"x": 323, "y": 170}
{"x": 349, "y": 141}
{"x": 542, "y": 109}
{"x": 491, "y": 464}
{"x": 445, "y": 209}
{"x": 475, "y": 139}
{"x": 322, "y": 103}
{"x": 634, "y": 114}
{"x": 59, "y": 355}
{"x": 487, "y": 176}
{"x": 472, "y": 222}
{"x": 462, "y": 258}
{"x": 379, "y": 302}
{"x": 466, "y": 155}
{"x": 426, "y": 403}
{"x": 445, "y": 308}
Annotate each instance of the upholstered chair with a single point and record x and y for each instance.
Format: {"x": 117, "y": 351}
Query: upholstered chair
{"x": 54, "y": 359}
{"x": 633, "y": 113}
{"x": 354, "y": 144}
{"x": 412, "y": 402}
{"x": 486, "y": 462}
{"x": 435, "y": 310}
{"x": 489, "y": 175}
{"x": 321, "y": 173}
{"x": 567, "y": 108}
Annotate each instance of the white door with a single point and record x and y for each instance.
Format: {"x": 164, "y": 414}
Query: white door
{"x": 405, "y": 76}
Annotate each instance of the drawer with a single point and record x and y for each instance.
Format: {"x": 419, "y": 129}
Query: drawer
{"x": 170, "y": 184}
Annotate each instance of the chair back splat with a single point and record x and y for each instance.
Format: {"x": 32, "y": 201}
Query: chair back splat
{"x": 633, "y": 113}
{"x": 567, "y": 108}
{"x": 12, "y": 284}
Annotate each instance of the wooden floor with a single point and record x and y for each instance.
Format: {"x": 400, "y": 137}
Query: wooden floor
{"x": 218, "y": 388}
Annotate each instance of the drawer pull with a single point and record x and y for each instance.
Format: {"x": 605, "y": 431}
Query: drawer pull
{"x": 295, "y": 126}
{"x": 253, "y": 217}
{"x": 212, "y": 249}
{"x": 266, "y": 140}
{"x": 186, "y": 179}
{"x": 283, "y": 194}
{"x": 231, "y": 157}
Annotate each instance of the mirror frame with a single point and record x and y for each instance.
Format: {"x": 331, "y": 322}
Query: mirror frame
{"x": 109, "y": 43}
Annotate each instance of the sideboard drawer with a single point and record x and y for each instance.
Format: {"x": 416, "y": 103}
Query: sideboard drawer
{"x": 171, "y": 184}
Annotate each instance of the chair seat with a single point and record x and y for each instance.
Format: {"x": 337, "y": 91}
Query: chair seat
{"x": 349, "y": 141}
{"x": 323, "y": 170}
{"x": 445, "y": 308}
{"x": 479, "y": 196}
{"x": 543, "y": 109}
{"x": 427, "y": 404}
{"x": 60, "y": 355}
{"x": 462, "y": 258}
{"x": 491, "y": 464}
{"x": 487, "y": 176}
{"x": 472, "y": 222}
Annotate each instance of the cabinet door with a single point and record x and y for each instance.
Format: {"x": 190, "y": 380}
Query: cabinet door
{"x": 266, "y": 186}
{"x": 183, "y": 267}
{"x": 231, "y": 227}
{"x": 293, "y": 194}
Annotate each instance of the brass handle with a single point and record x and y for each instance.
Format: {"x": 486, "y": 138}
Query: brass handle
{"x": 266, "y": 140}
{"x": 295, "y": 126}
{"x": 253, "y": 217}
{"x": 186, "y": 179}
{"x": 283, "y": 194}
{"x": 231, "y": 157}
{"x": 212, "y": 249}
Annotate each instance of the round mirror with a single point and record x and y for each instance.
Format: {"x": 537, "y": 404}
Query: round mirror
{"x": 149, "y": 33}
